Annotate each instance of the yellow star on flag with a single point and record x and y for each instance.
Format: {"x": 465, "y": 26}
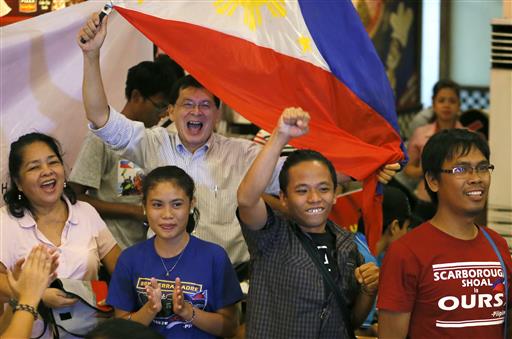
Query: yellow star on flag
{"x": 305, "y": 43}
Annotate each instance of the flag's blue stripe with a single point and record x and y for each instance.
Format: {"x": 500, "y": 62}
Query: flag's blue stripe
{"x": 341, "y": 38}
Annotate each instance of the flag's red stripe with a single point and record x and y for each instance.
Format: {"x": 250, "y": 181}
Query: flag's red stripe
{"x": 252, "y": 80}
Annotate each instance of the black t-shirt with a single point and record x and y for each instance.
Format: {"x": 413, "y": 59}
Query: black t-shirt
{"x": 325, "y": 244}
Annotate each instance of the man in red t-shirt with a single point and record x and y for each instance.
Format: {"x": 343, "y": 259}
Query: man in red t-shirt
{"x": 444, "y": 279}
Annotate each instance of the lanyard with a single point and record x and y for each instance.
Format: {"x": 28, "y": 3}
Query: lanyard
{"x": 504, "y": 270}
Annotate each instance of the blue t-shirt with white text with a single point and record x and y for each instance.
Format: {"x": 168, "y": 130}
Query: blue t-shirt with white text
{"x": 208, "y": 281}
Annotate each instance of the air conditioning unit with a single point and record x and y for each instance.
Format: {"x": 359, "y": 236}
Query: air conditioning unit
{"x": 499, "y": 211}
{"x": 501, "y": 44}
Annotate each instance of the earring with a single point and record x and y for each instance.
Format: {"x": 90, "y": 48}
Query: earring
{"x": 19, "y": 196}
{"x": 65, "y": 184}
{"x": 192, "y": 210}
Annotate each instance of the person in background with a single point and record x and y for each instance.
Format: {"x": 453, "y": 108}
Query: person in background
{"x": 179, "y": 72}
{"x": 106, "y": 180}
{"x": 177, "y": 284}
{"x": 41, "y": 209}
{"x": 396, "y": 213}
{"x": 396, "y": 218}
{"x": 28, "y": 288}
{"x": 421, "y": 118}
{"x": 288, "y": 296}
{"x": 447, "y": 278}
{"x": 367, "y": 328}
{"x": 446, "y": 107}
{"x": 262, "y": 138}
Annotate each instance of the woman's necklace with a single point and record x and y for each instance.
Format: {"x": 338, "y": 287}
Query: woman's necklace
{"x": 168, "y": 272}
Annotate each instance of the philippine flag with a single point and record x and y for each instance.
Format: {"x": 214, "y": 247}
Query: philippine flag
{"x": 125, "y": 164}
{"x": 498, "y": 285}
{"x": 263, "y": 56}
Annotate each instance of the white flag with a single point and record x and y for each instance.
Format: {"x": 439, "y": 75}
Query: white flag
{"x": 41, "y": 76}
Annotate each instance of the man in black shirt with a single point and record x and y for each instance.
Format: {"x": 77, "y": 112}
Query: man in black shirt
{"x": 289, "y": 296}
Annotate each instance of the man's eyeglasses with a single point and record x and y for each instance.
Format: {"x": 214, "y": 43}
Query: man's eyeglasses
{"x": 160, "y": 107}
{"x": 203, "y": 106}
{"x": 465, "y": 170}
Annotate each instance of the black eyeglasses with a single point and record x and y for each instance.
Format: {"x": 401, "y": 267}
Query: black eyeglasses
{"x": 160, "y": 107}
{"x": 466, "y": 170}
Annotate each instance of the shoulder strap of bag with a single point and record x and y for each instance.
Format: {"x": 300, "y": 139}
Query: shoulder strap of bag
{"x": 49, "y": 321}
{"x": 57, "y": 283}
{"x": 308, "y": 246}
{"x": 504, "y": 270}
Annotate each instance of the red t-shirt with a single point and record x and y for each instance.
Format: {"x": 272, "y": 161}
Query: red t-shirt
{"x": 452, "y": 287}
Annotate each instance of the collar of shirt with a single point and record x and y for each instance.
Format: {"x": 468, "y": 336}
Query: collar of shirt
{"x": 340, "y": 235}
{"x": 28, "y": 221}
{"x": 180, "y": 147}
{"x": 329, "y": 227}
{"x": 432, "y": 128}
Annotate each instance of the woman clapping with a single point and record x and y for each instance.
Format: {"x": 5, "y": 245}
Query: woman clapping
{"x": 40, "y": 209}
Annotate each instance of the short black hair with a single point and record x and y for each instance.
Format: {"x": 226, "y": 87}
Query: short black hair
{"x": 446, "y": 145}
{"x": 118, "y": 328}
{"x": 152, "y": 77}
{"x": 178, "y": 177}
{"x": 299, "y": 156}
{"x": 395, "y": 206}
{"x": 186, "y": 82}
{"x": 174, "y": 67}
{"x": 16, "y": 201}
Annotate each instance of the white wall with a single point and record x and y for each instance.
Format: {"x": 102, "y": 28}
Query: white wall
{"x": 470, "y": 35}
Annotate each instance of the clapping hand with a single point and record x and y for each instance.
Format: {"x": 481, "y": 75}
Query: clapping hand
{"x": 154, "y": 296}
{"x": 29, "y": 282}
{"x": 179, "y": 305}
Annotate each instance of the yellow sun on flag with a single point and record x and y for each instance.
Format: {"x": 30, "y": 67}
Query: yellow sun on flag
{"x": 252, "y": 9}
{"x": 140, "y": 2}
